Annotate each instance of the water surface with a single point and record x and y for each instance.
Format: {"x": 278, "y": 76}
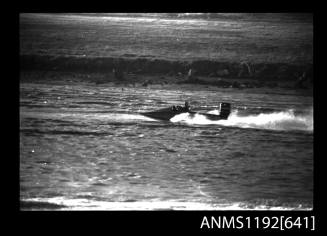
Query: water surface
{"x": 84, "y": 146}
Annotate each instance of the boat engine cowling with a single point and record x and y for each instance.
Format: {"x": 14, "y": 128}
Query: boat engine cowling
{"x": 224, "y": 110}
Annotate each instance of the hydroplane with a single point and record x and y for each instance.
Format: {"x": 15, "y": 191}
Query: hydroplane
{"x": 170, "y": 112}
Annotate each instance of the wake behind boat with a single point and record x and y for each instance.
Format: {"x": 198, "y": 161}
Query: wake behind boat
{"x": 170, "y": 112}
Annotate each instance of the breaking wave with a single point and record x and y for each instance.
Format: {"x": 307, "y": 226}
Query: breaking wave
{"x": 283, "y": 120}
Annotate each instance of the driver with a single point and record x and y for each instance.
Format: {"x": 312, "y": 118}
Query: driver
{"x": 187, "y": 106}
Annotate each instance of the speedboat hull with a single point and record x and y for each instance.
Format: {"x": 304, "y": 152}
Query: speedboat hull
{"x": 162, "y": 114}
{"x": 170, "y": 112}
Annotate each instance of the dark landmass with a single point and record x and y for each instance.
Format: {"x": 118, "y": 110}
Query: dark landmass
{"x": 260, "y": 71}
{"x": 225, "y": 75}
{"x": 165, "y": 82}
{"x": 31, "y": 205}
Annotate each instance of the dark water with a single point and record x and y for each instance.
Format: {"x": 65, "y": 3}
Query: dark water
{"x": 84, "y": 146}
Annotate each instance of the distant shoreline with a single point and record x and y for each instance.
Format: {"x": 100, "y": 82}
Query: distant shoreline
{"x": 141, "y": 66}
{"x": 164, "y": 82}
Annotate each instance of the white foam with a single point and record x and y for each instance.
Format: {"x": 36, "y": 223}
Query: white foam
{"x": 284, "y": 120}
{"x": 86, "y": 204}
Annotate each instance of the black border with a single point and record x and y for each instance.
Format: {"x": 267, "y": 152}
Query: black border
{"x": 162, "y": 221}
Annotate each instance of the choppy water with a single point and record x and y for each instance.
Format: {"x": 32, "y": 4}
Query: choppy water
{"x": 84, "y": 146}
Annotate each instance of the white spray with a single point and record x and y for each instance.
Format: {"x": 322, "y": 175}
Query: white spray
{"x": 284, "y": 120}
